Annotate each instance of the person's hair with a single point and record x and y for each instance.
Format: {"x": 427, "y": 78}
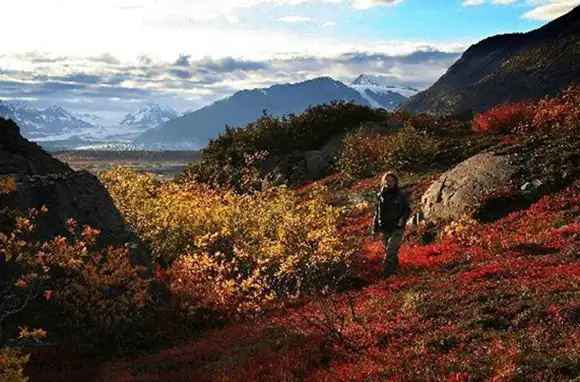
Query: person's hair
{"x": 389, "y": 174}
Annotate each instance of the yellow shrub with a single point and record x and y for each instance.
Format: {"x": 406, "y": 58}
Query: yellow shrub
{"x": 96, "y": 292}
{"x": 463, "y": 229}
{"x": 235, "y": 253}
{"x": 12, "y": 362}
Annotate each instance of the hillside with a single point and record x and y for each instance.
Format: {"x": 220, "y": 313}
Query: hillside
{"x": 507, "y": 68}
{"x": 196, "y": 128}
{"x": 462, "y": 309}
{"x": 20, "y": 156}
{"x": 296, "y": 292}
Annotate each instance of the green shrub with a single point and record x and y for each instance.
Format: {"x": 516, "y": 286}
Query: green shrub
{"x": 363, "y": 154}
{"x": 366, "y": 153}
{"x": 276, "y": 136}
{"x": 411, "y": 149}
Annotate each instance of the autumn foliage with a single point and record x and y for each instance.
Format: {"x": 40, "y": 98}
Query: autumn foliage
{"x": 91, "y": 297}
{"x": 235, "y": 254}
{"x": 290, "y": 279}
{"x": 549, "y": 113}
{"x": 483, "y": 302}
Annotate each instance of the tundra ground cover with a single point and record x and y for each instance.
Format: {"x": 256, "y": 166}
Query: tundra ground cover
{"x": 550, "y": 113}
{"x": 480, "y": 301}
{"x": 496, "y": 301}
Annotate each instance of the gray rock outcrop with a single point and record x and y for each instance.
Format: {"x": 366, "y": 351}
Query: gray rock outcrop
{"x": 22, "y": 157}
{"x": 462, "y": 187}
{"x": 532, "y": 168}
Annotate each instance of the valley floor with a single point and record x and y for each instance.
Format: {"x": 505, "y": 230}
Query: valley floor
{"x": 164, "y": 164}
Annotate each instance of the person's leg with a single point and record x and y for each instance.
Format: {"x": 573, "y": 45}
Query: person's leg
{"x": 392, "y": 243}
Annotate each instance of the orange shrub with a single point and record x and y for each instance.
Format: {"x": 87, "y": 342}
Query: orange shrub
{"x": 550, "y": 113}
{"x": 7, "y": 185}
{"x": 558, "y": 113}
{"x": 97, "y": 294}
{"x": 11, "y": 365}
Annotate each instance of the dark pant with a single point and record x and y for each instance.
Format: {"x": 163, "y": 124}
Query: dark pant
{"x": 392, "y": 242}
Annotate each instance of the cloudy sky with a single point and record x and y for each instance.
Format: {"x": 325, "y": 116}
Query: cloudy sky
{"x": 110, "y": 56}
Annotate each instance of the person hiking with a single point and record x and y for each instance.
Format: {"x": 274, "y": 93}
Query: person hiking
{"x": 391, "y": 214}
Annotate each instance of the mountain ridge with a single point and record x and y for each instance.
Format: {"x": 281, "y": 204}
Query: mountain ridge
{"x": 39, "y": 122}
{"x": 507, "y": 68}
{"x": 247, "y": 105}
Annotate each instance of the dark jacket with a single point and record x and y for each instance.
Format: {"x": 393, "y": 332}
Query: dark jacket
{"x": 392, "y": 205}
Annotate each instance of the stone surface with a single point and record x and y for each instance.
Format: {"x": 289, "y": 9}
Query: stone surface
{"x": 44, "y": 180}
{"x": 460, "y": 188}
{"x": 20, "y": 156}
{"x": 534, "y": 167}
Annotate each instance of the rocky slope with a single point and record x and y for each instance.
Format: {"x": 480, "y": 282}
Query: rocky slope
{"x": 22, "y": 157}
{"x": 510, "y": 67}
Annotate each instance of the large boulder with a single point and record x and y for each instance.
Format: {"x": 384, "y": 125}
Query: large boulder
{"x": 462, "y": 187}
{"x": 78, "y": 195}
{"x": 317, "y": 164}
{"x": 523, "y": 172}
{"x": 44, "y": 180}
{"x": 20, "y": 156}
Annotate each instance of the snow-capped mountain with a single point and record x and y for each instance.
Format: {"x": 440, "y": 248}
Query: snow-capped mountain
{"x": 38, "y": 123}
{"x": 149, "y": 116}
{"x": 377, "y": 93}
{"x": 58, "y": 127}
{"x": 93, "y": 119}
{"x": 381, "y": 82}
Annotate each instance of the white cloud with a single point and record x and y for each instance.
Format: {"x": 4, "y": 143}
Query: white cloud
{"x": 550, "y": 9}
{"x": 329, "y": 24}
{"x": 193, "y": 83}
{"x": 365, "y": 4}
{"x": 480, "y": 2}
{"x": 295, "y": 19}
{"x": 158, "y": 29}
{"x": 544, "y": 10}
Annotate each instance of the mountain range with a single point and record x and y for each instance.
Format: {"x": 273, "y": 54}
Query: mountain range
{"x": 58, "y": 124}
{"x": 37, "y": 123}
{"x": 197, "y": 127}
{"x": 507, "y": 68}
{"x": 503, "y": 68}
{"x": 155, "y": 126}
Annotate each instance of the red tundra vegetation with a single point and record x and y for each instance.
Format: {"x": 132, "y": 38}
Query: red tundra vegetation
{"x": 521, "y": 117}
{"x": 496, "y": 302}
{"x": 472, "y": 301}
